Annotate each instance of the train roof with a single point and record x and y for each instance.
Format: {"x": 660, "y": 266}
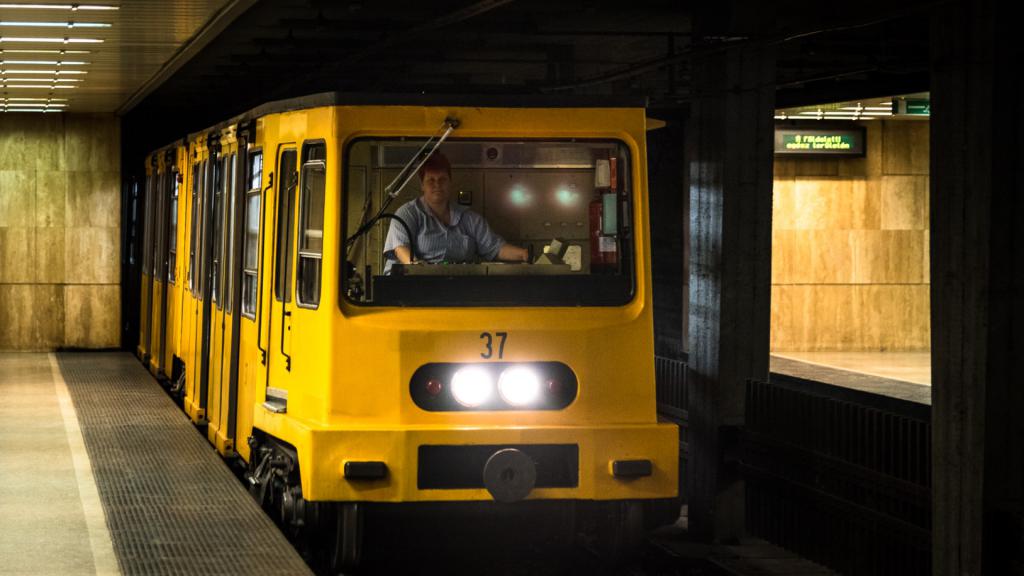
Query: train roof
{"x": 475, "y": 101}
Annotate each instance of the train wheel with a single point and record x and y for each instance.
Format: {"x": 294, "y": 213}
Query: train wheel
{"x": 347, "y": 542}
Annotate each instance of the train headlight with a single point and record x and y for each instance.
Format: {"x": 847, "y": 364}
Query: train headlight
{"x": 493, "y": 386}
{"x": 472, "y": 386}
{"x": 519, "y": 386}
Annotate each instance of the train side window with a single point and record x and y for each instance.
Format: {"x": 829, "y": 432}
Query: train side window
{"x": 286, "y": 185}
{"x": 229, "y": 222}
{"x": 172, "y": 249}
{"x": 311, "y": 225}
{"x": 192, "y": 236}
{"x": 216, "y": 256}
{"x": 203, "y": 230}
{"x": 159, "y": 241}
{"x": 252, "y": 235}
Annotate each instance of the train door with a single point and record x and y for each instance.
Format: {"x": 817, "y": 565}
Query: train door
{"x": 170, "y": 344}
{"x": 213, "y": 174}
{"x": 250, "y": 346}
{"x": 163, "y": 252}
{"x": 278, "y": 311}
{"x": 191, "y": 320}
{"x": 222, "y": 332}
{"x": 233, "y": 294}
{"x": 215, "y": 323}
{"x": 146, "y": 322}
{"x": 159, "y": 270}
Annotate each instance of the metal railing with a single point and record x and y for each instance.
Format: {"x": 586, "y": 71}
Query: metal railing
{"x": 839, "y": 476}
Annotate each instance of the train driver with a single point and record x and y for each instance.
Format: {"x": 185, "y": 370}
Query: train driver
{"x": 445, "y": 232}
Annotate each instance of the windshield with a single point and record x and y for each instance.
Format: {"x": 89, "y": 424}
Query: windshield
{"x": 489, "y": 223}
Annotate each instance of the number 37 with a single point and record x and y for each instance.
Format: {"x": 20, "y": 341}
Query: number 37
{"x": 488, "y": 339}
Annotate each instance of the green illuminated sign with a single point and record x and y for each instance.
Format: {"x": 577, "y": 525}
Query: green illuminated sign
{"x": 913, "y": 106}
{"x": 819, "y": 142}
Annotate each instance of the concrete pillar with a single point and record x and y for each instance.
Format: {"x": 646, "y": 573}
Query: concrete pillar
{"x": 729, "y": 161}
{"x": 669, "y": 201}
{"x": 977, "y": 273}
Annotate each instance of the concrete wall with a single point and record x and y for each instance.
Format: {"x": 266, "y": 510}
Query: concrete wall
{"x": 60, "y": 211}
{"x": 850, "y": 268}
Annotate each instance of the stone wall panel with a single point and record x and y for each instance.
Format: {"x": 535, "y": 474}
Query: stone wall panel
{"x": 59, "y": 231}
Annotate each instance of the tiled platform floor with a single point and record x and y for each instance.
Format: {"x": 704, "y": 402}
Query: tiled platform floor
{"x": 100, "y": 473}
{"x": 51, "y": 521}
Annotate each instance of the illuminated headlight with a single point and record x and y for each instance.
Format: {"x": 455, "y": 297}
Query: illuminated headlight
{"x": 472, "y": 386}
{"x": 519, "y": 386}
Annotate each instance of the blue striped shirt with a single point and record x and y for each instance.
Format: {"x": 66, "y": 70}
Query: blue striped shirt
{"x": 467, "y": 239}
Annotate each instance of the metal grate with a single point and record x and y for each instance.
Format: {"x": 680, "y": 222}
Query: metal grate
{"x": 670, "y": 376}
{"x": 171, "y": 504}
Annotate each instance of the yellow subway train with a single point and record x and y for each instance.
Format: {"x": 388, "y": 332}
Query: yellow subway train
{"x": 380, "y": 307}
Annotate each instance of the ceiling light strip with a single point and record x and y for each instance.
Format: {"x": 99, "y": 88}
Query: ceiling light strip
{"x": 49, "y": 72}
{"x": 43, "y": 63}
{"x": 71, "y": 7}
{"x": 51, "y": 40}
{"x": 9, "y": 99}
{"x": 37, "y": 86}
{"x": 20, "y": 24}
{"x": 61, "y": 52}
{"x": 5, "y": 79}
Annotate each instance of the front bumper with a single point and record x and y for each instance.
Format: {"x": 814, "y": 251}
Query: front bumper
{"x": 323, "y": 454}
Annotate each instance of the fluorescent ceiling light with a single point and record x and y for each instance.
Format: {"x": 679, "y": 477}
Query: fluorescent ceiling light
{"x": 42, "y": 110}
{"x": 51, "y": 40}
{"x": 36, "y": 86}
{"x": 71, "y": 7}
{"x": 62, "y": 52}
{"x": 50, "y": 72}
{"x": 32, "y": 105}
{"x": 41, "y": 79}
{"x": 54, "y": 24}
{"x": 6, "y": 99}
{"x": 43, "y": 62}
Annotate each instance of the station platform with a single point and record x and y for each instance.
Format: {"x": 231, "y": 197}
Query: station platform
{"x": 100, "y": 473}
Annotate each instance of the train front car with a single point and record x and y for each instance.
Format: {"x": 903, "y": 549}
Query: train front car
{"x": 466, "y": 381}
